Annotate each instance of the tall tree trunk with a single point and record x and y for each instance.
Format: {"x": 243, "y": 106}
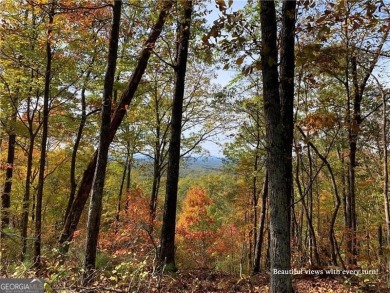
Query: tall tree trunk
{"x": 95, "y": 208}
{"x": 351, "y": 197}
{"x": 128, "y": 178}
{"x": 120, "y": 193}
{"x": 313, "y": 248}
{"x": 160, "y": 153}
{"x": 6, "y": 195}
{"x": 156, "y": 160}
{"x": 30, "y": 150}
{"x": 26, "y": 196}
{"x": 331, "y": 235}
{"x": 343, "y": 185}
{"x": 355, "y": 119}
{"x": 85, "y": 186}
{"x": 73, "y": 184}
{"x": 278, "y": 112}
{"x": 45, "y": 128}
{"x": 155, "y": 185}
{"x": 385, "y": 176}
{"x": 260, "y": 234}
{"x": 167, "y": 250}
{"x": 254, "y": 202}
{"x": 385, "y": 168}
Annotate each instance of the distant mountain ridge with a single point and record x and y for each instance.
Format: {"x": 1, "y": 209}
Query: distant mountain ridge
{"x": 204, "y": 164}
{"x": 197, "y": 165}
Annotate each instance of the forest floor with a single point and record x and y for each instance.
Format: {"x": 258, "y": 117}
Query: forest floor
{"x": 205, "y": 281}
{"x": 208, "y": 281}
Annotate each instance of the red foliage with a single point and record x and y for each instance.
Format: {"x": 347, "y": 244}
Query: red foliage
{"x": 132, "y": 234}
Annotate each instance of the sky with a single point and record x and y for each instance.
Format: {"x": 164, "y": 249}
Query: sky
{"x": 382, "y": 72}
{"x": 223, "y": 78}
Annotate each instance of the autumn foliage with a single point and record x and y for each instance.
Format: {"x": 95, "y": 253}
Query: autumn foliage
{"x": 132, "y": 234}
{"x": 195, "y": 229}
{"x": 340, "y": 208}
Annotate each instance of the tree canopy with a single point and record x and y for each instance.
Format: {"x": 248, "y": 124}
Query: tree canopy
{"x": 107, "y": 113}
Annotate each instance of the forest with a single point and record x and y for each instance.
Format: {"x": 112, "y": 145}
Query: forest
{"x": 195, "y": 146}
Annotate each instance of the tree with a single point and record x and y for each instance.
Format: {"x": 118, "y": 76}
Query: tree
{"x": 247, "y": 150}
{"x": 352, "y": 38}
{"x": 195, "y": 227}
{"x": 199, "y": 122}
{"x": 25, "y": 35}
{"x": 6, "y": 195}
{"x": 25, "y": 88}
{"x": 92, "y": 66}
{"x": 85, "y": 185}
{"x": 167, "y": 242}
{"x": 260, "y": 234}
{"x": 45, "y": 125}
{"x": 95, "y": 207}
{"x": 278, "y": 114}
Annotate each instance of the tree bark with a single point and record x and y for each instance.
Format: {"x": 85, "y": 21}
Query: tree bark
{"x": 95, "y": 208}
{"x": 260, "y": 234}
{"x": 73, "y": 218}
{"x": 73, "y": 184}
{"x": 167, "y": 250}
{"x": 120, "y": 193}
{"x": 385, "y": 169}
{"x": 385, "y": 178}
{"x": 278, "y": 112}
{"x": 45, "y": 128}
{"x": 6, "y": 195}
{"x": 155, "y": 186}
{"x": 26, "y": 196}
{"x": 128, "y": 178}
{"x": 254, "y": 202}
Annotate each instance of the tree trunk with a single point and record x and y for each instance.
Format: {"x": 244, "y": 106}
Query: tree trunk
{"x": 254, "y": 202}
{"x": 119, "y": 202}
{"x": 26, "y": 196}
{"x": 385, "y": 171}
{"x": 313, "y": 248}
{"x": 167, "y": 250}
{"x": 128, "y": 178}
{"x": 260, "y": 234}
{"x": 95, "y": 208}
{"x": 75, "y": 212}
{"x": 331, "y": 235}
{"x": 45, "y": 127}
{"x": 155, "y": 186}
{"x": 73, "y": 184}
{"x": 355, "y": 121}
{"x": 380, "y": 247}
{"x": 385, "y": 179}
{"x": 6, "y": 195}
{"x": 278, "y": 112}
{"x": 351, "y": 196}
{"x": 31, "y": 136}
